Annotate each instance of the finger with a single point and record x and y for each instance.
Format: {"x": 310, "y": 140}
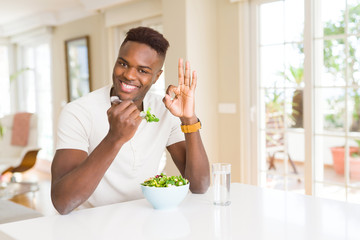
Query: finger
{"x": 172, "y": 89}
{"x": 135, "y": 113}
{"x": 114, "y": 107}
{"x": 167, "y": 101}
{"x": 130, "y": 109}
{"x": 181, "y": 72}
{"x": 109, "y": 112}
{"x": 194, "y": 80}
{"x": 187, "y": 74}
{"x": 138, "y": 120}
{"x": 118, "y": 107}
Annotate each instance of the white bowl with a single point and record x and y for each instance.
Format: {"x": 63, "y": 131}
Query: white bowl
{"x": 165, "y": 197}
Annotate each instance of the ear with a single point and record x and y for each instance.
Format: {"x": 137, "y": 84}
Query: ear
{"x": 157, "y": 76}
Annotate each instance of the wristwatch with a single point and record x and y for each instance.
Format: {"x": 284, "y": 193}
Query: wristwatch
{"x": 191, "y": 128}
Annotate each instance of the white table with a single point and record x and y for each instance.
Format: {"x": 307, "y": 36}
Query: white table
{"x": 254, "y": 213}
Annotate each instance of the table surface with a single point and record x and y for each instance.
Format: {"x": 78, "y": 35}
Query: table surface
{"x": 254, "y": 213}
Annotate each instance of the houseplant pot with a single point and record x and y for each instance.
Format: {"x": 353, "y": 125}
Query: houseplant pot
{"x": 338, "y": 154}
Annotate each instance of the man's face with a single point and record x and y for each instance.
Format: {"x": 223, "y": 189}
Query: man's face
{"x": 138, "y": 67}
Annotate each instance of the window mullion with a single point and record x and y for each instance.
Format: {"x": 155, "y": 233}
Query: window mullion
{"x": 309, "y": 95}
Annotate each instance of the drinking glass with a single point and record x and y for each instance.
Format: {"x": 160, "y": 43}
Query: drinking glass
{"x": 221, "y": 173}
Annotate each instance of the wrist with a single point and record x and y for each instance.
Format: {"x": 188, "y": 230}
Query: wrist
{"x": 113, "y": 141}
{"x": 189, "y": 121}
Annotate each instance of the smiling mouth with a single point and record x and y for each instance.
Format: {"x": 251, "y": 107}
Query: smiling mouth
{"x": 128, "y": 87}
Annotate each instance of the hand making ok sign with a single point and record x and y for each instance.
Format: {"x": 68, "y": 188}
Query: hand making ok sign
{"x": 183, "y": 103}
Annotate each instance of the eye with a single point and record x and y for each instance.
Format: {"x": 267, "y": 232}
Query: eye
{"x": 122, "y": 64}
{"x": 143, "y": 71}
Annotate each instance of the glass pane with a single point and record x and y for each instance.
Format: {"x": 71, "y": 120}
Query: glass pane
{"x": 296, "y": 184}
{"x": 354, "y": 195}
{"x": 334, "y": 63}
{"x": 330, "y": 191}
{"x": 272, "y": 68}
{"x": 296, "y": 149}
{"x": 276, "y": 163}
{"x": 274, "y": 107}
{"x": 329, "y": 110}
{"x": 330, "y": 158}
{"x": 354, "y": 16}
{"x": 272, "y": 23}
{"x": 4, "y": 82}
{"x": 276, "y": 152}
{"x": 354, "y": 60}
{"x": 27, "y": 98}
{"x": 329, "y": 63}
{"x": 294, "y": 108}
{"x": 263, "y": 153}
{"x": 263, "y": 98}
{"x": 44, "y": 103}
{"x": 294, "y": 20}
{"x": 332, "y": 16}
{"x": 275, "y": 181}
{"x": 355, "y": 167}
{"x": 354, "y": 110}
{"x": 354, "y": 161}
{"x": 294, "y": 70}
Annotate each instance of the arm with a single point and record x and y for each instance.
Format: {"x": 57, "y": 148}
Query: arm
{"x": 75, "y": 174}
{"x": 189, "y": 156}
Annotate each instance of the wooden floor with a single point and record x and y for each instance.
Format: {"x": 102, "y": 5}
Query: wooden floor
{"x": 39, "y": 200}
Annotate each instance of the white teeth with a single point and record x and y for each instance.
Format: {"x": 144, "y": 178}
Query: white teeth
{"x": 128, "y": 86}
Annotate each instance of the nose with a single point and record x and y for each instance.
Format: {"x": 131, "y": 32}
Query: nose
{"x": 130, "y": 73}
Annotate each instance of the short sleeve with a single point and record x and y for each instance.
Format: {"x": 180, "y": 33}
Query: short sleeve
{"x": 73, "y": 128}
{"x": 176, "y": 135}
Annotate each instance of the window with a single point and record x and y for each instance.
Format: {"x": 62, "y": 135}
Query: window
{"x": 308, "y": 88}
{"x": 281, "y": 85}
{"x": 33, "y": 91}
{"x": 337, "y": 100}
{"x": 4, "y": 81}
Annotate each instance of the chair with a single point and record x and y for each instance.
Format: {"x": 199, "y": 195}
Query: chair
{"x": 17, "y": 158}
{"x": 275, "y": 142}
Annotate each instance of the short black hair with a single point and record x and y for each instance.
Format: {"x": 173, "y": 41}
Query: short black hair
{"x": 150, "y": 37}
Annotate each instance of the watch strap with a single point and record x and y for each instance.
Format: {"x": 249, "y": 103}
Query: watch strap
{"x": 191, "y": 128}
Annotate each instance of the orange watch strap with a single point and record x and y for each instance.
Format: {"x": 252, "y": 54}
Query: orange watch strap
{"x": 191, "y": 128}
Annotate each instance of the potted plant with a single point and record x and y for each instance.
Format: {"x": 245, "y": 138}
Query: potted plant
{"x": 338, "y": 154}
{"x": 296, "y": 75}
{"x": 355, "y": 163}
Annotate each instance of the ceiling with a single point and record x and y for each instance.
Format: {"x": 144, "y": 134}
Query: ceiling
{"x": 12, "y": 10}
{"x": 15, "y": 13}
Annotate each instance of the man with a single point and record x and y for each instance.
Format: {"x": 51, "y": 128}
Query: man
{"x": 105, "y": 150}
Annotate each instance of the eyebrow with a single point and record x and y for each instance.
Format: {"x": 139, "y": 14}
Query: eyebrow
{"x": 138, "y": 66}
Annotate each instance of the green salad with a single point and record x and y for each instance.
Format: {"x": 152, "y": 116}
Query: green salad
{"x": 164, "y": 181}
{"x": 149, "y": 117}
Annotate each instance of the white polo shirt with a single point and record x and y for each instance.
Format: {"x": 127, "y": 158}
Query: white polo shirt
{"x": 83, "y": 124}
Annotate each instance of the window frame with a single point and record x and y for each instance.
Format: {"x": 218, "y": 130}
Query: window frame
{"x": 312, "y": 23}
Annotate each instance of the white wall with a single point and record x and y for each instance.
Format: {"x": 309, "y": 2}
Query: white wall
{"x": 208, "y": 33}
{"x": 94, "y": 27}
{"x": 191, "y": 29}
